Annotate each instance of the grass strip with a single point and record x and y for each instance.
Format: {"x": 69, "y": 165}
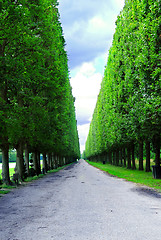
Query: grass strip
{"x": 3, "y": 191}
{"x": 136, "y": 176}
{"x": 11, "y": 171}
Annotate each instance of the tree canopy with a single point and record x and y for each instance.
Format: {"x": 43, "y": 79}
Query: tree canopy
{"x": 36, "y": 102}
{"x": 128, "y": 108}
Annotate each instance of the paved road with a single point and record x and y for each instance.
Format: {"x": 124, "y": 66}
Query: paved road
{"x": 80, "y": 203}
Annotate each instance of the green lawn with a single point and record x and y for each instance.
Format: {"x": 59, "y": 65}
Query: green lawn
{"x": 136, "y": 176}
{"x": 11, "y": 172}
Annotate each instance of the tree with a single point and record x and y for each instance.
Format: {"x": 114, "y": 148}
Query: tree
{"x": 37, "y": 107}
{"x": 128, "y": 108}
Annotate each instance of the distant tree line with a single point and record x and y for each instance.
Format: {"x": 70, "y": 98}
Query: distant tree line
{"x": 127, "y": 115}
{"x": 37, "y": 111}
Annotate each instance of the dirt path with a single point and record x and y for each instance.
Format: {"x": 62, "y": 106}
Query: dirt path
{"x": 80, "y": 203}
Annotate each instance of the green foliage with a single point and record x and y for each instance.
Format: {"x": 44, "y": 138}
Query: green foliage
{"x": 129, "y": 103}
{"x": 36, "y": 102}
{"x": 2, "y": 191}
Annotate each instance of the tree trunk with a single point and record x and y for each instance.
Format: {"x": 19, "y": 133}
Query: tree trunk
{"x": 61, "y": 161}
{"x": 124, "y": 156}
{"x": 110, "y": 157}
{"x": 49, "y": 160}
{"x": 35, "y": 162}
{"x": 20, "y": 161}
{"x": 64, "y": 160}
{"x": 5, "y": 145}
{"x": 129, "y": 157}
{"x": 121, "y": 157}
{"x": 56, "y": 162}
{"x": 103, "y": 158}
{"x": 52, "y": 161}
{"x": 5, "y": 165}
{"x": 38, "y": 162}
{"x": 27, "y": 158}
{"x": 113, "y": 158}
{"x": 157, "y": 149}
{"x": 141, "y": 167}
{"x": 117, "y": 157}
{"x": 44, "y": 163}
{"x": 133, "y": 156}
{"x": 147, "y": 145}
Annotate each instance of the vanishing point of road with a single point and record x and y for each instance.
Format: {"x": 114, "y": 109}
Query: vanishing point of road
{"x": 80, "y": 202}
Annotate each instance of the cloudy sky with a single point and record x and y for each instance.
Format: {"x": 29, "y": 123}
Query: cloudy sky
{"x": 88, "y": 27}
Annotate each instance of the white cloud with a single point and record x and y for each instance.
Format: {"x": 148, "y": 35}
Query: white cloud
{"x": 83, "y": 132}
{"x": 86, "y": 82}
{"x": 118, "y": 5}
{"x": 84, "y": 109}
{"x": 86, "y": 87}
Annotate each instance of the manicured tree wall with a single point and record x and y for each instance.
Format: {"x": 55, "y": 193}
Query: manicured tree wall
{"x": 37, "y": 107}
{"x": 128, "y": 109}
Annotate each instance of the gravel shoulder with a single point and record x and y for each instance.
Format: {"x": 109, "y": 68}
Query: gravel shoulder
{"x": 80, "y": 202}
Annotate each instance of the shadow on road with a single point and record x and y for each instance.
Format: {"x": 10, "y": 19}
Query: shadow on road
{"x": 147, "y": 192}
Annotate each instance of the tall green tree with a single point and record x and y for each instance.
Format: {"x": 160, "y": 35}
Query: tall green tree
{"x": 37, "y": 108}
{"x": 128, "y": 111}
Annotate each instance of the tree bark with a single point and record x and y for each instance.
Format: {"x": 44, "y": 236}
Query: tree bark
{"x": 52, "y": 161}
{"x": 44, "y": 163}
{"x": 129, "y": 157}
{"x": 117, "y": 157}
{"x": 27, "y": 158}
{"x": 124, "y": 156}
{"x": 56, "y": 162}
{"x": 133, "y": 156}
{"x": 114, "y": 158}
{"x": 35, "y": 162}
{"x": 141, "y": 167}
{"x": 61, "y": 161}
{"x": 4, "y": 143}
{"x": 147, "y": 145}
{"x": 157, "y": 149}
{"x": 5, "y": 165}
{"x": 38, "y": 161}
{"x": 110, "y": 157}
{"x": 121, "y": 157}
{"x": 20, "y": 161}
{"x": 49, "y": 160}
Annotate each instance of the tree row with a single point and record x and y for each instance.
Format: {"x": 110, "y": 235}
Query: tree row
{"x": 127, "y": 115}
{"x": 37, "y": 111}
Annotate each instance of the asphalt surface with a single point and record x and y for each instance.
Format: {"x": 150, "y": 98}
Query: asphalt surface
{"x": 80, "y": 203}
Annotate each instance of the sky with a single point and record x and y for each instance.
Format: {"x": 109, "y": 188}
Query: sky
{"x": 88, "y": 27}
